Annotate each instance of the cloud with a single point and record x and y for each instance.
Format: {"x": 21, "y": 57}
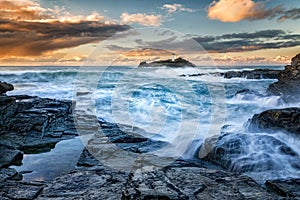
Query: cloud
{"x": 282, "y": 59}
{"x": 239, "y": 59}
{"x": 172, "y": 8}
{"x": 237, "y": 10}
{"x": 23, "y": 10}
{"x": 27, "y": 29}
{"x": 241, "y": 42}
{"x": 148, "y": 52}
{"x": 141, "y": 18}
{"x": 290, "y": 14}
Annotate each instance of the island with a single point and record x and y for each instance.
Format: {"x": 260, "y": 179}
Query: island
{"x": 178, "y": 62}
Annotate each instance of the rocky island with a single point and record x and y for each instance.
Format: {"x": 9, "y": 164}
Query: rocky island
{"x": 178, "y": 62}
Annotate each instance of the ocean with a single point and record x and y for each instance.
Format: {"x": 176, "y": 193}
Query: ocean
{"x": 167, "y": 106}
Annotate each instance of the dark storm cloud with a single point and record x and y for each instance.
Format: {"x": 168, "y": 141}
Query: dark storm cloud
{"x": 239, "y": 42}
{"x": 28, "y": 29}
{"x": 117, "y": 48}
{"x": 259, "y": 34}
{"x": 21, "y": 38}
{"x": 293, "y": 14}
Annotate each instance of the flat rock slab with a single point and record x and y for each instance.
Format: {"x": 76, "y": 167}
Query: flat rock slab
{"x": 193, "y": 183}
{"x": 286, "y": 188}
{"x": 169, "y": 183}
{"x": 15, "y": 190}
{"x": 6, "y": 173}
{"x": 86, "y": 185}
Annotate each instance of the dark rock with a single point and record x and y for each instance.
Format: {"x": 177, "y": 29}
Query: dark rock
{"x": 87, "y": 159}
{"x": 30, "y": 125}
{"x": 169, "y": 183}
{"x": 6, "y": 173}
{"x": 179, "y": 62}
{"x": 127, "y": 138}
{"x": 287, "y": 119}
{"x": 15, "y": 190}
{"x": 233, "y": 152}
{"x": 5, "y": 87}
{"x": 9, "y": 156}
{"x": 248, "y": 74}
{"x": 86, "y": 185}
{"x": 253, "y": 74}
{"x": 285, "y": 187}
{"x": 27, "y": 120}
{"x": 288, "y": 82}
{"x": 244, "y": 91}
{"x": 249, "y": 95}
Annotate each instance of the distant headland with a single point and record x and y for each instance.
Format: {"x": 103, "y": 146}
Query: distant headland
{"x": 178, "y": 62}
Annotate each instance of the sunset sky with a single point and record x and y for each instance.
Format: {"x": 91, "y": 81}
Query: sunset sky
{"x": 67, "y": 32}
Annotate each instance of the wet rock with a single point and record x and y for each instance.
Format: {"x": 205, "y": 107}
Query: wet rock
{"x": 86, "y": 185}
{"x": 235, "y": 152}
{"x": 87, "y": 159}
{"x": 5, "y": 87}
{"x": 30, "y": 120}
{"x": 168, "y": 183}
{"x": 252, "y": 74}
{"x": 192, "y": 183}
{"x": 6, "y": 173}
{"x": 286, "y": 188}
{"x": 288, "y": 82}
{"x": 248, "y": 74}
{"x": 9, "y": 156}
{"x": 126, "y": 138}
{"x": 248, "y": 92}
{"x": 31, "y": 125}
{"x": 15, "y": 190}
{"x": 287, "y": 119}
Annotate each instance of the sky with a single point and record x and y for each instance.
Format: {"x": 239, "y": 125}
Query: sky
{"x": 99, "y": 32}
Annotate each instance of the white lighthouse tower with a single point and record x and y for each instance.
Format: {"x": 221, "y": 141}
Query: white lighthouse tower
{"x": 173, "y": 57}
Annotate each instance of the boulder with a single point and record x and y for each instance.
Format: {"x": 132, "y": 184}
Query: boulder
{"x": 5, "y": 87}
{"x": 9, "y": 156}
{"x": 285, "y": 187}
{"x": 251, "y": 153}
{"x": 286, "y": 119}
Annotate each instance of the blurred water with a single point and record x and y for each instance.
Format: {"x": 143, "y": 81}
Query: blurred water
{"x": 166, "y": 105}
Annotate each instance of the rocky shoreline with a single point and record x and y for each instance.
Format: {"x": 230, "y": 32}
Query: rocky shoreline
{"x": 34, "y": 125}
{"x": 248, "y": 74}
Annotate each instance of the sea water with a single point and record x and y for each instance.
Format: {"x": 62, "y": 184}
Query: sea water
{"x": 164, "y": 104}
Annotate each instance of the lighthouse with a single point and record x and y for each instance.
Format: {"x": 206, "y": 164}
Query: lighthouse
{"x": 173, "y": 57}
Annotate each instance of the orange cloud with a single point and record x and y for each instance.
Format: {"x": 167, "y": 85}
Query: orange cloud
{"x": 27, "y": 29}
{"x": 148, "y": 52}
{"x": 282, "y": 59}
{"x": 140, "y": 18}
{"x": 237, "y": 10}
{"x": 22, "y": 10}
